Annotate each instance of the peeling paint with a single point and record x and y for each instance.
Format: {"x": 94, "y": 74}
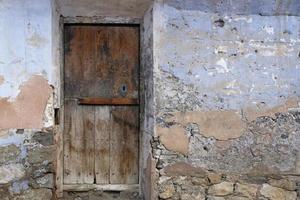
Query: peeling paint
{"x": 28, "y": 108}
{"x": 222, "y": 62}
{"x": 1, "y": 79}
{"x": 269, "y": 29}
{"x": 174, "y": 139}
{"x": 36, "y": 41}
{"x": 222, "y": 125}
{"x": 258, "y": 110}
{"x": 125, "y": 8}
{"x": 26, "y": 49}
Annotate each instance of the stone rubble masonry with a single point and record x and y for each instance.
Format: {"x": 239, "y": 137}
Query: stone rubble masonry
{"x": 225, "y": 173}
{"x": 180, "y": 177}
{"x": 26, "y": 164}
{"x": 231, "y": 186}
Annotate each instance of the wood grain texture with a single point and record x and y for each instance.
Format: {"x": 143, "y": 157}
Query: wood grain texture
{"x": 70, "y": 156}
{"x": 102, "y": 138}
{"x": 79, "y": 143}
{"x": 124, "y": 145}
{"x": 108, "y": 101}
{"x": 106, "y": 187}
{"x": 101, "y": 70}
{"x": 100, "y": 60}
{"x": 117, "y": 61}
{"x": 79, "y": 61}
{"x": 87, "y": 142}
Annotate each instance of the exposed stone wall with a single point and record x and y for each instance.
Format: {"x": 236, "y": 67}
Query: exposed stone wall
{"x": 26, "y": 164}
{"x": 102, "y": 195}
{"x": 181, "y": 181}
{"x": 181, "y": 178}
{"x": 226, "y": 102}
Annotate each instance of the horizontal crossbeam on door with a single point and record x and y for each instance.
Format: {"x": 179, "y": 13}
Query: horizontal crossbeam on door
{"x": 108, "y": 101}
{"x": 87, "y": 187}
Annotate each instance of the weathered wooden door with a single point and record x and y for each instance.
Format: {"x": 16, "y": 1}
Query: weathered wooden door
{"x": 101, "y": 111}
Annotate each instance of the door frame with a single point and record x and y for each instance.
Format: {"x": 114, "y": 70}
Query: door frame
{"x": 59, "y": 131}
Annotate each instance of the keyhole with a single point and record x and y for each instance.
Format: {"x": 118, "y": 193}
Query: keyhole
{"x": 123, "y": 90}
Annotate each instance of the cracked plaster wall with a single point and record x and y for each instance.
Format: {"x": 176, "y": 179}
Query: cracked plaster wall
{"x": 226, "y": 96}
{"x": 219, "y": 81}
{"x": 25, "y": 62}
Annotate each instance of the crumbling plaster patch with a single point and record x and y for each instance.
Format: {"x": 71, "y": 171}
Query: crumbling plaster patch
{"x": 239, "y": 7}
{"x": 258, "y": 110}
{"x": 229, "y": 67}
{"x": 35, "y": 40}
{"x": 28, "y": 108}
{"x": 222, "y": 125}
{"x": 174, "y": 139}
{"x": 219, "y": 124}
{"x": 25, "y": 49}
{"x": 1, "y": 79}
{"x": 125, "y": 8}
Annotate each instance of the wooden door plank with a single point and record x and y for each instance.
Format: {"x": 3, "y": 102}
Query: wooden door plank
{"x": 70, "y": 156}
{"x": 72, "y": 68}
{"x": 79, "y": 144}
{"x": 86, "y": 142}
{"x": 117, "y": 61}
{"x": 102, "y": 137}
{"x": 124, "y": 145}
{"x": 88, "y": 52}
{"x": 79, "y": 61}
{"x": 124, "y": 46}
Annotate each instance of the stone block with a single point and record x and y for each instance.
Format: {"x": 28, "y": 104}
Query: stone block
{"x": 11, "y": 172}
{"x": 184, "y": 169}
{"x": 221, "y": 189}
{"x": 35, "y": 194}
{"x": 247, "y": 190}
{"x": 274, "y": 193}
{"x": 214, "y": 178}
{"x": 41, "y": 170}
{"x": 195, "y": 195}
{"x": 215, "y": 198}
{"x": 199, "y": 181}
{"x": 9, "y": 153}
{"x": 46, "y": 181}
{"x": 283, "y": 183}
{"x": 41, "y": 154}
{"x": 44, "y": 138}
{"x": 166, "y": 191}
